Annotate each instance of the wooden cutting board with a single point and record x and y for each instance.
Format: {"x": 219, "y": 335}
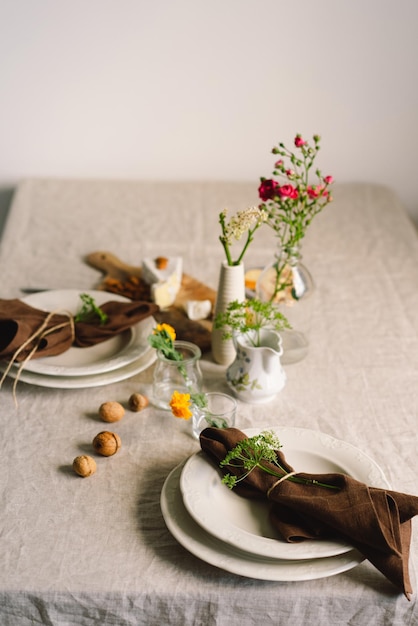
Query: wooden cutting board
{"x": 121, "y": 278}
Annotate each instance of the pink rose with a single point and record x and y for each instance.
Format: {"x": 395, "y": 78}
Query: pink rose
{"x": 288, "y": 191}
{"x": 268, "y": 189}
{"x": 329, "y": 180}
{"x": 299, "y": 141}
{"x": 278, "y": 163}
{"x": 313, "y": 192}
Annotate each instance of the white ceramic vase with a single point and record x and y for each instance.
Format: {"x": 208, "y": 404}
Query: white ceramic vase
{"x": 231, "y": 286}
{"x": 257, "y": 375}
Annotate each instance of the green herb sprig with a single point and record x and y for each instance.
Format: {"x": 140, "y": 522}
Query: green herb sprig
{"x": 260, "y": 451}
{"x": 249, "y": 317}
{"x": 90, "y": 312}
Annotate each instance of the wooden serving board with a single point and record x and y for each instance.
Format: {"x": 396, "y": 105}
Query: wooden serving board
{"x": 121, "y": 278}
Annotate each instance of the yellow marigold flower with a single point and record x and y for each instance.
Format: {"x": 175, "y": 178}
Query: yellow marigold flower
{"x": 180, "y": 405}
{"x": 167, "y": 328}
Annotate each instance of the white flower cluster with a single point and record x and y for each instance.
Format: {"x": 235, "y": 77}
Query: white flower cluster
{"x": 241, "y": 222}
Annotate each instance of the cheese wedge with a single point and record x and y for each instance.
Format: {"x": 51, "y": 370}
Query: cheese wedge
{"x": 165, "y": 281}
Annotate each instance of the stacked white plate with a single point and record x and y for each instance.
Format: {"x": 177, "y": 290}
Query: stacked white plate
{"x": 235, "y": 534}
{"x": 112, "y": 360}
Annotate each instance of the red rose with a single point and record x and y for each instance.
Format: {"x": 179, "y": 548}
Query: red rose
{"x": 288, "y": 191}
{"x": 268, "y": 189}
{"x": 313, "y": 192}
{"x": 328, "y": 180}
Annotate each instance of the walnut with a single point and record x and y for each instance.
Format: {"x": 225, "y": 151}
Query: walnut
{"x": 161, "y": 262}
{"x": 107, "y": 443}
{"x": 111, "y": 411}
{"x": 84, "y": 465}
{"x": 137, "y": 402}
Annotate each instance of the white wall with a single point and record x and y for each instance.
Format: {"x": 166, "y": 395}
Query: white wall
{"x": 202, "y": 89}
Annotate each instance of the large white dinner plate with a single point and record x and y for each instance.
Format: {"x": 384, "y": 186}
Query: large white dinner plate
{"x": 84, "y": 382}
{"x": 245, "y": 523}
{"x": 112, "y": 354}
{"x": 211, "y": 550}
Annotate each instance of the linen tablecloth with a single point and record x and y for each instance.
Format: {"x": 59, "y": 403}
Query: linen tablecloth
{"x": 97, "y": 551}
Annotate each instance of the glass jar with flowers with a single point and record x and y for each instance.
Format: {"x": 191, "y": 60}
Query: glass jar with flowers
{"x": 291, "y": 203}
{"x": 256, "y": 375}
{"x": 177, "y": 366}
{"x": 231, "y": 285}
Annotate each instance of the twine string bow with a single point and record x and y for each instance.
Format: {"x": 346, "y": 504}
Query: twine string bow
{"x": 38, "y": 335}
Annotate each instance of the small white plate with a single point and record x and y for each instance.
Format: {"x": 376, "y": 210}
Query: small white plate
{"x": 112, "y": 354}
{"x": 215, "y": 552}
{"x": 242, "y": 522}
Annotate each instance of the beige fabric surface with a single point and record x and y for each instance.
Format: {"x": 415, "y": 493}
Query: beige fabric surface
{"x": 96, "y": 551}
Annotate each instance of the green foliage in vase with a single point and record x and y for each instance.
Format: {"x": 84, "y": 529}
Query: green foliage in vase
{"x": 246, "y": 221}
{"x": 249, "y": 317}
{"x": 291, "y": 200}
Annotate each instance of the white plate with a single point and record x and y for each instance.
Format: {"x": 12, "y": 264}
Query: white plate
{"x": 211, "y": 550}
{"x": 242, "y": 522}
{"x": 84, "y": 382}
{"x": 108, "y": 355}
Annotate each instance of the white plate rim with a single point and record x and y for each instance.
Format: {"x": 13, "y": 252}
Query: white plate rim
{"x": 208, "y": 548}
{"x": 133, "y": 343}
{"x": 198, "y": 471}
{"x": 85, "y": 382}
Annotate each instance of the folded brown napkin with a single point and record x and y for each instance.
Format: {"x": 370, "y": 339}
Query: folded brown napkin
{"x": 377, "y": 522}
{"x": 19, "y": 322}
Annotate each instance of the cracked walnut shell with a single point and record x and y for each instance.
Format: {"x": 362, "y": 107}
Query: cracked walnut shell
{"x": 106, "y": 443}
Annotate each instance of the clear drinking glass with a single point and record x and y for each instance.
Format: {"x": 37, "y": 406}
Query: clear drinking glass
{"x": 219, "y": 413}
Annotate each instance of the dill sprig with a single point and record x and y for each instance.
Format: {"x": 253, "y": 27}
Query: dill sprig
{"x": 249, "y": 317}
{"x": 260, "y": 452}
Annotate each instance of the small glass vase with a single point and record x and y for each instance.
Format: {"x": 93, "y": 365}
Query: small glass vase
{"x": 289, "y": 284}
{"x": 219, "y": 412}
{"x": 183, "y": 376}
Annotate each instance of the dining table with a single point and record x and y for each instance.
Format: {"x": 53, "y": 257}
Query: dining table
{"x": 118, "y": 547}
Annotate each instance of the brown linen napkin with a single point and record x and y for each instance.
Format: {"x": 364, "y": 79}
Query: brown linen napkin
{"x": 377, "y": 522}
{"x": 19, "y": 321}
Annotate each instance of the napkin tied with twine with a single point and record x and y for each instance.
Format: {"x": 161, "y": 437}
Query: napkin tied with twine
{"x": 375, "y": 521}
{"x": 25, "y": 330}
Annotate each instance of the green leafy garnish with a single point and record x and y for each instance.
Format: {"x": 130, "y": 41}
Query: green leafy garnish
{"x": 249, "y": 317}
{"x": 90, "y": 312}
{"x": 260, "y": 451}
